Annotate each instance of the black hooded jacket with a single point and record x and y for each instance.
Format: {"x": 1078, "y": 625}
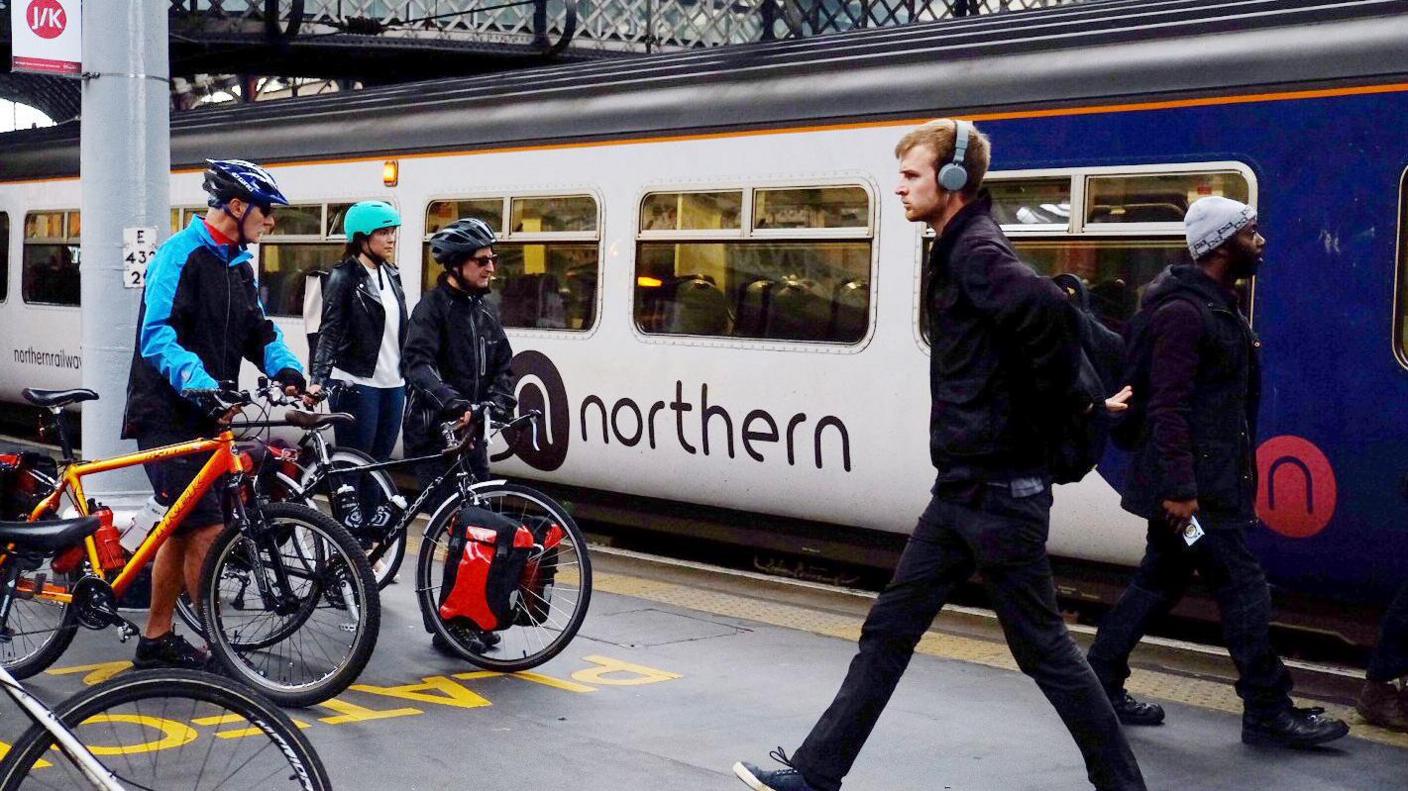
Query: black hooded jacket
{"x": 456, "y": 354}
{"x": 1193, "y": 362}
{"x": 1005, "y": 355}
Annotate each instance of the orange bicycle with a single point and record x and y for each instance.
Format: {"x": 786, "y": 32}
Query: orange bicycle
{"x": 287, "y": 600}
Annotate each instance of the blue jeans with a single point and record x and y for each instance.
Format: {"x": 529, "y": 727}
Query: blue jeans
{"x": 378, "y": 412}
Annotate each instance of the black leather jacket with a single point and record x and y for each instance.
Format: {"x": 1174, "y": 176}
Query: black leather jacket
{"x": 1004, "y": 355}
{"x": 455, "y": 354}
{"x": 354, "y": 320}
{"x": 1195, "y": 358}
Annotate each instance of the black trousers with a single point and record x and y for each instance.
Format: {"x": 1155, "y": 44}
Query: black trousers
{"x": 1225, "y": 563}
{"x": 1390, "y": 658}
{"x": 1004, "y": 537}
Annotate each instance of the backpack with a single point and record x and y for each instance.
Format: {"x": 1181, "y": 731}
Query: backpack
{"x": 1081, "y": 439}
{"x": 487, "y": 555}
{"x": 1128, "y": 429}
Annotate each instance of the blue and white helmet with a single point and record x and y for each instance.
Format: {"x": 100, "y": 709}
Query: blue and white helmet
{"x": 226, "y": 179}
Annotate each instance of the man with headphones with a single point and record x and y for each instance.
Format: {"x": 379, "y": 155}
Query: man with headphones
{"x": 1003, "y": 377}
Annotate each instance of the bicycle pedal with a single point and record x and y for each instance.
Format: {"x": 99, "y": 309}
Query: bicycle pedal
{"x": 126, "y": 631}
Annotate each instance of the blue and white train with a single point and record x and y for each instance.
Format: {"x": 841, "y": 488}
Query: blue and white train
{"x": 715, "y": 296}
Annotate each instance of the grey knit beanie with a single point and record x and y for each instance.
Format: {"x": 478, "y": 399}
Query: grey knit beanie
{"x": 1213, "y": 220}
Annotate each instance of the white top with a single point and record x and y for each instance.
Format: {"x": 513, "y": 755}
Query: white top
{"x": 388, "y": 359}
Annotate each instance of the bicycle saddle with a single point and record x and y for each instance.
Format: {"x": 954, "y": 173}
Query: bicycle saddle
{"x": 53, "y": 398}
{"x": 316, "y": 419}
{"x": 47, "y": 536}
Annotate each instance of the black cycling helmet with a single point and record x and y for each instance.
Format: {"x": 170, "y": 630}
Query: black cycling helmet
{"x": 227, "y": 179}
{"x": 458, "y": 240}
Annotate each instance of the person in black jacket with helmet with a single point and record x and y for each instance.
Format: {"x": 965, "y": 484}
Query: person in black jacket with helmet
{"x": 456, "y": 353}
{"x": 200, "y": 316}
{"x": 1193, "y": 362}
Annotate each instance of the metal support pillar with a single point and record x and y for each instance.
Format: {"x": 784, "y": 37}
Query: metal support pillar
{"x": 125, "y": 165}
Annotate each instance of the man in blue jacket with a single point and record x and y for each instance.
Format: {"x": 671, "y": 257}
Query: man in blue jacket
{"x": 200, "y": 316}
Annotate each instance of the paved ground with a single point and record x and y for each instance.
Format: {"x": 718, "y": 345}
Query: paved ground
{"x": 670, "y": 682}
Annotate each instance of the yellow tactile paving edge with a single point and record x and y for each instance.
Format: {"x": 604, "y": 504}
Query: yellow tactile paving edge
{"x": 1163, "y": 686}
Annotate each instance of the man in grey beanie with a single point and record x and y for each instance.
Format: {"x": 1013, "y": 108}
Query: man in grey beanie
{"x": 1192, "y": 360}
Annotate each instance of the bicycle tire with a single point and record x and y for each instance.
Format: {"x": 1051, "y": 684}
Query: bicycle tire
{"x": 343, "y": 458}
{"x": 345, "y": 567}
{"x": 48, "y": 650}
{"x": 429, "y": 571}
{"x": 237, "y": 701}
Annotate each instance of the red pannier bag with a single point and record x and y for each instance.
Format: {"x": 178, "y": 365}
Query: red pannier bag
{"x": 486, "y": 560}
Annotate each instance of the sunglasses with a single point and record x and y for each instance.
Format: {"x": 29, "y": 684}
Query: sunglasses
{"x": 483, "y": 260}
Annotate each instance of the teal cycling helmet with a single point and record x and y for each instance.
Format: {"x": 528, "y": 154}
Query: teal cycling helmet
{"x": 369, "y": 216}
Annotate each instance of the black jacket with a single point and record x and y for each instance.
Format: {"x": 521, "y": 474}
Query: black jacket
{"x": 1005, "y": 354}
{"x": 455, "y": 354}
{"x": 354, "y": 319}
{"x": 200, "y": 315}
{"x": 1195, "y": 358}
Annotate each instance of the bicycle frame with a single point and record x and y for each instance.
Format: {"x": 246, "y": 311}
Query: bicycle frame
{"x": 223, "y": 461}
{"x": 100, "y": 776}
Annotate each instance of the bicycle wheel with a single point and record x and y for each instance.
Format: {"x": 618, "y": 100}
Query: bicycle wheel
{"x": 38, "y": 630}
{"x": 378, "y": 495}
{"x": 547, "y": 616}
{"x": 172, "y": 729}
{"x": 290, "y": 606}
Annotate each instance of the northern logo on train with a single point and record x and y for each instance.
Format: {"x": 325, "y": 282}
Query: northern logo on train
{"x": 538, "y": 386}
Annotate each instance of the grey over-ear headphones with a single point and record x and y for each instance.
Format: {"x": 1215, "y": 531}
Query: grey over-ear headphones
{"x": 954, "y": 176}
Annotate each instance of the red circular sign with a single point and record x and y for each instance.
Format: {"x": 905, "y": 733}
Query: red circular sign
{"x": 46, "y": 18}
{"x": 1297, "y": 493}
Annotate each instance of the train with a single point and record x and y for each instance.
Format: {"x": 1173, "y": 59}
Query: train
{"x": 714, "y": 298}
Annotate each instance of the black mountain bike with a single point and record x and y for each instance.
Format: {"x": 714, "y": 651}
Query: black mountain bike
{"x": 361, "y": 495}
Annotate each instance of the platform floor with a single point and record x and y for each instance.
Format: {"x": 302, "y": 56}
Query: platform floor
{"x": 673, "y": 678}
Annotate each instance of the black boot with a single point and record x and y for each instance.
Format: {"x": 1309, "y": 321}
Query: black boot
{"x": 1134, "y": 712}
{"x": 1291, "y": 728}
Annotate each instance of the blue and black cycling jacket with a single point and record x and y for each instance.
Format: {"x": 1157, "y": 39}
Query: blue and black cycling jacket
{"x": 200, "y": 315}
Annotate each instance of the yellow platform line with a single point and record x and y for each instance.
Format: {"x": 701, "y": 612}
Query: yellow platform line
{"x": 1170, "y": 687}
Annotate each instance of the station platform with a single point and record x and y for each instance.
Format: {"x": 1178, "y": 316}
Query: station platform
{"x": 679, "y": 671}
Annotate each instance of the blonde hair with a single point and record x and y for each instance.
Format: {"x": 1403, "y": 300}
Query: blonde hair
{"x": 940, "y": 135}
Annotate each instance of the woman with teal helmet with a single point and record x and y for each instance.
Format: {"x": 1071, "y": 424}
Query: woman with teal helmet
{"x": 362, "y": 331}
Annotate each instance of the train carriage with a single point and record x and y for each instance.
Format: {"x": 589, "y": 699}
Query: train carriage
{"x": 715, "y": 298}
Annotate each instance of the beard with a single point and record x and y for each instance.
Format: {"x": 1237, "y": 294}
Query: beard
{"x": 1245, "y": 261}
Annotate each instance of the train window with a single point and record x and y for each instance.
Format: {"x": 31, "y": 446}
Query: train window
{"x": 1032, "y": 202}
{"x": 336, "y": 213}
{"x": 1116, "y": 258}
{"x": 305, "y": 238}
{"x": 181, "y": 217}
{"x": 298, "y": 220}
{"x": 4, "y": 256}
{"x": 49, "y": 271}
{"x": 1156, "y": 198}
{"x": 549, "y": 259}
{"x": 691, "y": 211}
{"x": 778, "y": 284}
{"x": 820, "y": 207}
{"x": 552, "y": 215}
{"x": 444, "y": 212}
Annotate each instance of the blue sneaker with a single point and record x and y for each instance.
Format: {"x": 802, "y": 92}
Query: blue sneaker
{"x": 788, "y": 779}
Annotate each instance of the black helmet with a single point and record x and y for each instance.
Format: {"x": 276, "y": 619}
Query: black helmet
{"x": 227, "y": 179}
{"x": 458, "y": 240}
